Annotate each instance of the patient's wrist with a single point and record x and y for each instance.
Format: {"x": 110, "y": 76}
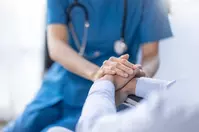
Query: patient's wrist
{"x": 130, "y": 87}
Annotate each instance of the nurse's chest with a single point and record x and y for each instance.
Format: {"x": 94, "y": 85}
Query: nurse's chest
{"x": 106, "y": 19}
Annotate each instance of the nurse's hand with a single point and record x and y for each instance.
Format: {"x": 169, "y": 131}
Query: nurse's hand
{"x": 116, "y": 66}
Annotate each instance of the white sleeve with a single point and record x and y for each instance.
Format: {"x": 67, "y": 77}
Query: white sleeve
{"x": 133, "y": 120}
{"x": 99, "y": 112}
{"x": 167, "y": 111}
{"x": 100, "y": 102}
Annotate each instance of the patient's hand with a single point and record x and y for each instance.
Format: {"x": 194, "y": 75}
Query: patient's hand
{"x": 121, "y": 82}
{"x": 124, "y": 86}
{"x": 122, "y": 94}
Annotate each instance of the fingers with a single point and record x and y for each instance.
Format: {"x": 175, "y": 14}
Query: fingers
{"x": 122, "y": 61}
{"x": 116, "y": 65}
{"x": 126, "y": 63}
{"x": 121, "y": 73}
{"x": 122, "y": 67}
{"x": 105, "y": 70}
{"x": 138, "y": 66}
{"x": 108, "y": 70}
{"x": 126, "y": 56}
{"x": 119, "y": 68}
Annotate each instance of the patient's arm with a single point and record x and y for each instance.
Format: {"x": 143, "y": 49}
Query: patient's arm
{"x": 167, "y": 111}
{"x": 138, "y": 119}
{"x": 100, "y": 102}
{"x": 99, "y": 112}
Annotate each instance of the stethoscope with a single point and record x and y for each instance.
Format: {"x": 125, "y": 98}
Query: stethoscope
{"x": 120, "y": 47}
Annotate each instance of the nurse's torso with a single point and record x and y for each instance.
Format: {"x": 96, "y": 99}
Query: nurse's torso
{"x": 105, "y": 18}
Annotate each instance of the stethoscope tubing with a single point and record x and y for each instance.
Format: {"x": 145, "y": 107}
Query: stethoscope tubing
{"x": 82, "y": 47}
{"x": 72, "y": 6}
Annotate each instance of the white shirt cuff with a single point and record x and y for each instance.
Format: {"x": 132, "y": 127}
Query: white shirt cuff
{"x": 145, "y": 86}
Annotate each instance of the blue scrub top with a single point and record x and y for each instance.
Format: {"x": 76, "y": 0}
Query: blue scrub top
{"x": 147, "y": 21}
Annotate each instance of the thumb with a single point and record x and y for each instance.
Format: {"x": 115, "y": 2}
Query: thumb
{"x": 126, "y": 56}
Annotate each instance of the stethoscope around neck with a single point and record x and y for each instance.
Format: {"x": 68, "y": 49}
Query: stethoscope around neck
{"x": 120, "y": 47}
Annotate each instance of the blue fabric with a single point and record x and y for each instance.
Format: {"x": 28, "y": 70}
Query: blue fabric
{"x": 146, "y": 22}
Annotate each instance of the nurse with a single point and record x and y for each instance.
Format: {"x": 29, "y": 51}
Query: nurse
{"x": 65, "y": 86}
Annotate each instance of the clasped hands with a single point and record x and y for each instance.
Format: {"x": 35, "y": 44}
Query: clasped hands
{"x": 123, "y": 74}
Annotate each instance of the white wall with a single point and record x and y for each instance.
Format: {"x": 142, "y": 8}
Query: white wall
{"x": 21, "y": 44}
{"x": 179, "y": 56}
{"x": 180, "y": 53}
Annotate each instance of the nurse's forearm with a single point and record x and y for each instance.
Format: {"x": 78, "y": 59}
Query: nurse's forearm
{"x": 151, "y": 65}
{"x": 150, "y": 58}
{"x": 100, "y": 102}
{"x": 71, "y": 60}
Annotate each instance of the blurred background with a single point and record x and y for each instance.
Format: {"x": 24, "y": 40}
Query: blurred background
{"x": 22, "y": 39}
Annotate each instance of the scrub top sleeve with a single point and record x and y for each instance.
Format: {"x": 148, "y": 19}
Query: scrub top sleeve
{"x": 56, "y": 11}
{"x": 155, "y": 24}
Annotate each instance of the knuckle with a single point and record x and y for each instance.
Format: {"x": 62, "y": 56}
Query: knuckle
{"x": 106, "y": 71}
{"x": 120, "y": 72}
{"x": 108, "y": 68}
{"x": 126, "y": 69}
{"x": 124, "y": 61}
{"x": 112, "y": 68}
{"x": 111, "y": 58}
{"x": 117, "y": 64}
{"x": 102, "y": 71}
{"x": 105, "y": 62}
